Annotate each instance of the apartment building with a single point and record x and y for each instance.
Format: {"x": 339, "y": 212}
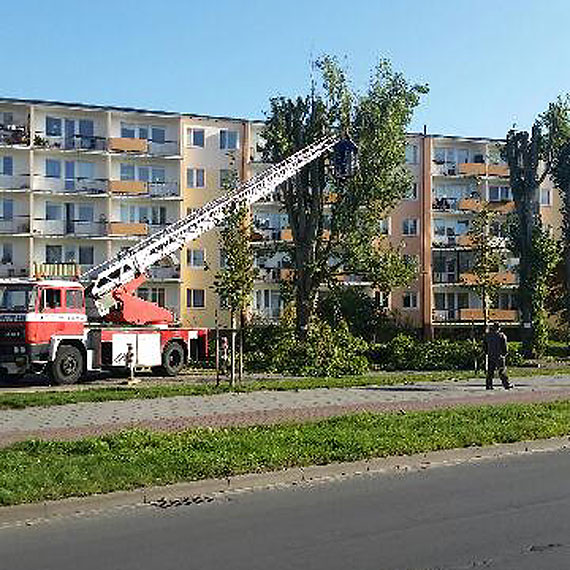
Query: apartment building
{"x": 80, "y": 182}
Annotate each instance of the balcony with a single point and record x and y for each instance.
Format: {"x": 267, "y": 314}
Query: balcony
{"x": 462, "y": 240}
{"x": 8, "y": 269}
{"x": 160, "y": 273}
{"x": 164, "y": 149}
{"x": 470, "y": 315}
{"x": 470, "y": 204}
{"x": 73, "y": 142}
{"x": 504, "y": 315}
{"x": 500, "y": 278}
{"x": 130, "y": 187}
{"x": 18, "y": 182}
{"x": 502, "y": 207}
{"x": 14, "y": 135}
{"x": 70, "y": 186}
{"x": 128, "y": 229}
{"x": 69, "y": 228}
{"x": 483, "y": 169}
{"x": 123, "y": 144}
{"x": 61, "y": 270}
{"x": 163, "y": 190}
{"x": 14, "y": 226}
{"x": 275, "y": 274}
{"x": 270, "y": 234}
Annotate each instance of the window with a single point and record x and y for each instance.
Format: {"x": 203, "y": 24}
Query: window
{"x": 53, "y": 168}
{"x": 228, "y": 178}
{"x": 127, "y": 171}
{"x": 385, "y": 227}
{"x": 410, "y": 227}
{"x": 7, "y": 256}
{"x": 195, "y": 298}
{"x": 6, "y": 210}
{"x": 158, "y": 215}
{"x": 85, "y": 255}
{"x": 223, "y": 259}
{"x": 158, "y": 135}
{"x": 70, "y": 254}
{"x": 7, "y": 166}
{"x": 154, "y": 295}
{"x": 51, "y": 299}
{"x": 195, "y": 137}
{"x": 411, "y": 154}
{"x": 128, "y": 131}
{"x": 195, "y": 178}
{"x": 410, "y": 300}
{"x": 412, "y": 192}
{"x": 499, "y": 194}
{"x": 195, "y": 257}
{"x": 6, "y": 118}
{"x": 545, "y": 197}
{"x": 54, "y": 254}
{"x": 85, "y": 170}
{"x": 53, "y": 127}
{"x": 229, "y": 140}
{"x": 85, "y": 213}
{"x": 382, "y": 299}
{"x": 74, "y": 299}
{"x": 53, "y": 211}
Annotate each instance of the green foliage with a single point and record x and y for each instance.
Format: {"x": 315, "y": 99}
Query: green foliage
{"x": 376, "y": 121}
{"x": 36, "y": 471}
{"x": 327, "y": 351}
{"x": 543, "y": 259}
{"x": 407, "y": 353}
{"x": 234, "y": 283}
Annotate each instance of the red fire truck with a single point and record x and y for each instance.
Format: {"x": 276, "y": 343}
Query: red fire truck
{"x": 70, "y": 328}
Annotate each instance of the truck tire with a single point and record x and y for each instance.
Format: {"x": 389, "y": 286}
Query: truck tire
{"x": 67, "y": 368}
{"x": 172, "y": 359}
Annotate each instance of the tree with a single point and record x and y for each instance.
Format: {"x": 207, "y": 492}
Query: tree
{"x": 234, "y": 282}
{"x": 531, "y": 159}
{"x": 556, "y": 120}
{"x": 489, "y": 259}
{"x": 335, "y": 223}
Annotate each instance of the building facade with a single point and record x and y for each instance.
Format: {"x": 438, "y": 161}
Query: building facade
{"x": 80, "y": 182}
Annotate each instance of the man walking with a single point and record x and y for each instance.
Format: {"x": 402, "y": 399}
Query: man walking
{"x": 496, "y": 345}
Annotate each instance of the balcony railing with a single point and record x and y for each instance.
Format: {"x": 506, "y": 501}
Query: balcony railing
{"x": 16, "y": 225}
{"x": 128, "y": 187}
{"x": 160, "y": 273}
{"x": 8, "y": 269}
{"x": 70, "y": 228}
{"x": 12, "y": 135}
{"x": 70, "y": 186}
{"x": 274, "y": 274}
{"x": 16, "y": 182}
{"x": 163, "y": 189}
{"x": 124, "y": 144}
{"x": 469, "y": 315}
{"x": 462, "y": 240}
{"x": 500, "y": 278}
{"x": 63, "y": 270}
{"x": 484, "y": 169}
{"x": 73, "y": 142}
{"x": 128, "y": 229}
{"x": 167, "y": 148}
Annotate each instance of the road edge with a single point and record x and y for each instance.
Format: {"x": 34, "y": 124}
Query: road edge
{"x": 195, "y": 492}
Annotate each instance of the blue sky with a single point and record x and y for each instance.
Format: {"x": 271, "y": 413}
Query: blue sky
{"x": 488, "y": 63}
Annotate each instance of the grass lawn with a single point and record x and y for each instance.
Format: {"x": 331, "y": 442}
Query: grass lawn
{"x": 34, "y": 470}
{"x": 19, "y": 400}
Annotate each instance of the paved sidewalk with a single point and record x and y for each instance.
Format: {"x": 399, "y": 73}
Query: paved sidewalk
{"x": 73, "y": 421}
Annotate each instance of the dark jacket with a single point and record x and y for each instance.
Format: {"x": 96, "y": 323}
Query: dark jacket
{"x": 496, "y": 345}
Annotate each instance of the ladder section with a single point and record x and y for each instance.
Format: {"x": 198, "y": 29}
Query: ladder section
{"x": 129, "y": 264}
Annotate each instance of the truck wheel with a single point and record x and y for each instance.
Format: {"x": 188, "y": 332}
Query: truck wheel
{"x": 67, "y": 368}
{"x": 172, "y": 359}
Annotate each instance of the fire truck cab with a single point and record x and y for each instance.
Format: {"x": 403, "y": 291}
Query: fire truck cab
{"x": 44, "y": 328}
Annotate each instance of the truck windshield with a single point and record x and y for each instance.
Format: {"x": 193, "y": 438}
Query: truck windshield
{"x": 16, "y": 298}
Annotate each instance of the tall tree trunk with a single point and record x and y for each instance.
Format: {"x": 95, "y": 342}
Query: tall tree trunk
{"x": 233, "y": 350}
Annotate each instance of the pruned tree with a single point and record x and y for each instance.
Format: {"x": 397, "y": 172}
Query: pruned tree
{"x": 531, "y": 158}
{"x": 335, "y": 223}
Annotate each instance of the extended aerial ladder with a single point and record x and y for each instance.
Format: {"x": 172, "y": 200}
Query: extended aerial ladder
{"x": 111, "y": 286}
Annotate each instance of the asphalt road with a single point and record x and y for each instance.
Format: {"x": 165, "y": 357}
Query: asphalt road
{"x": 512, "y": 513}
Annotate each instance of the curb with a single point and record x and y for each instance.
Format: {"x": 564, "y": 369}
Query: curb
{"x": 196, "y": 492}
